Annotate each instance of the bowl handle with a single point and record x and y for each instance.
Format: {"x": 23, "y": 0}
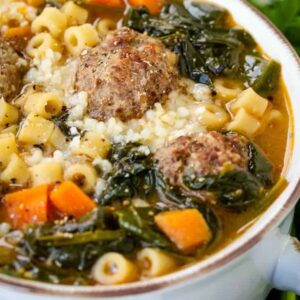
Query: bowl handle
{"x": 286, "y": 276}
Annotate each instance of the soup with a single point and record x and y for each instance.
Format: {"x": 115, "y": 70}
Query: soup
{"x": 135, "y": 140}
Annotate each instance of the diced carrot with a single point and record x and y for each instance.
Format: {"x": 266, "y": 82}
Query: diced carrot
{"x": 70, "y": 200}
{"x": 27, "y": 207}
{"x": 112, "y": 3}
{"x": 187, "y": 229}
{"x": 17, "y": 32}
{"x": 154, "y": 6}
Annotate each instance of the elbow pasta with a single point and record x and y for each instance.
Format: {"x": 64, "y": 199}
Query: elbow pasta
{"x": 52, "y": 20}
{"x": 213, "y": 116}
{"x": 46, "y": 105}
{"x": 114, "y": 268}
{"x": 46, "y": 173}
{"x": 35, "y": 130}
{"x": 16, "y": 171}
{"x": 8, "y": 113}
{"x": 227, "y": 89}
{"x": 104, "y": 26}
{"x": 155, "y": 262}
{"x": 8, "y": 147}
{"x": 38, "y": 46}
{"x": 75, "y": 14}
{"x": 78, "y": 38}
{"x": 251, "y": 102}
{"x": 83, "y": 174}
{"x": 93, "y": 145}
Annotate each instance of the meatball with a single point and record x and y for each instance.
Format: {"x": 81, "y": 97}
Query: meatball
{"x": 204, "y": 154}
{"x": 126, "y": 75}
{"x": 12, "y": 69}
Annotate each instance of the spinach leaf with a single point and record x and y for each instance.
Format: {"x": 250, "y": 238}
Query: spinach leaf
{"x": 234, "y": 189}
{"x": 140, "y": 223}
{"x": 261, "y": 75}
{"x": 205, "y": 46}
{"x": 65, "y": 239}
{"x": 61, "y": 123}
{"x": 76, "y": 245}
{"x": 131, "y": 176}
{"x": 260, "y": 166}
{"x": 206, "y": 13}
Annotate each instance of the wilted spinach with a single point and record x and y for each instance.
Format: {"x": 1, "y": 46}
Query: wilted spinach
{"x": 260, "y": 166}
{"x": 77, "y": 245}
{"x": 237, "y": 189}
{"x": 132, "y": 174}
{"x": 140, "y": 223}
{"x": 61, "y": 123}
{"x": 205, "y": 45}
{"x": 261, "y": 75}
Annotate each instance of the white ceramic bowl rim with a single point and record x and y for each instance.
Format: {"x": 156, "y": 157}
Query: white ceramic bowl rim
{"x": 269, "y": 220}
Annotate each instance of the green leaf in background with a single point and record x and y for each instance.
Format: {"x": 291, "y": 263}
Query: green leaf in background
{"x": 285, "y": 14}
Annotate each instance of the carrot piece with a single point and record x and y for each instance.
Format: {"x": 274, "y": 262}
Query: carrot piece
{"x": 27, "y": 207}
{"x": 187, "y": 229}
{"x": 16, "y": 32}
{"x": 111, "y": 3}
{"x": 154, "y": 6}
{"x": 70, "y": 200}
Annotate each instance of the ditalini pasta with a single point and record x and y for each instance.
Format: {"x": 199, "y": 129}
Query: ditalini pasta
{"x": 46, "y": 105}
{"x": 155, "y": 262}
{"x": 78, "y": 38}
{"x": 114, "y": 268}
{"x": 46, "y": 173}
{"x": 16, "y": 171}
{"x": 135, "y": 140}
{"x": 8, "y": 146}
{"x": 50, "y": 20}
{"x": 75, "y": 14}
{"x": 38, "y": 46}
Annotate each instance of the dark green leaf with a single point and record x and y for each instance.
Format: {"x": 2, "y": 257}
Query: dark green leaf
{"x": 261, "y": 75}
{"x": 260, "y": 166}
{"x": 131, "y": 175}
{"x": 67, "y": 239}
{"x": 205, "y": 46}
{"x": 235, "y": 189}
{"x": 140, "y": 223}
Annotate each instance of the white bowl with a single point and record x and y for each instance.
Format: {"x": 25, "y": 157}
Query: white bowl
{"x": 247, "y": 268}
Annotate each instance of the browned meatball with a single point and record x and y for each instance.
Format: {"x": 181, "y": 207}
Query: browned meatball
{"x": 204, "y": 154}
{"x": 126, "y": 75}
{"x": 12, "y": 69}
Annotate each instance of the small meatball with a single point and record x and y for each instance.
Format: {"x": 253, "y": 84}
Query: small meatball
{"x": 204, "y": 154}
{"x": 126, "y": 75}
{"x": 12, "y": 69}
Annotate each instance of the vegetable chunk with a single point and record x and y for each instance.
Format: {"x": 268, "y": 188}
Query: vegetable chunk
{"x": 154, "y": 6}
{"x": 186, "y": 228}
{"x": 70, "y": 200}
{"x": 27, "y": 207}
